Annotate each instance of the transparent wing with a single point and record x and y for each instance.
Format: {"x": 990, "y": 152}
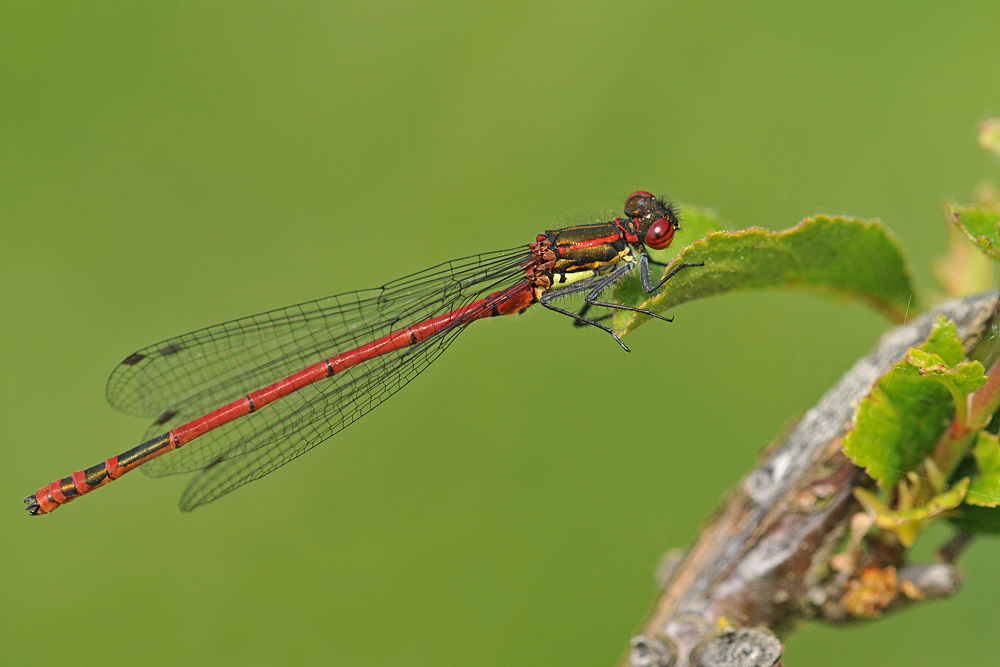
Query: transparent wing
{"x": 208, "y": 368}
{"x": 183, "y": 378}
{"x": 302, "y": 420}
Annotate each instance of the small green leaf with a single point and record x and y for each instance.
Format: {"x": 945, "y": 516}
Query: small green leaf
{"x": 909, "y": 523}
{"x": 987, "y": 452}
{"x": 967, "y": 378}
{"x": 843, "y": 256}
{"x": 985, "y": 488}
{"x": 944, "y": 342}
{"x": 960, "y": 378}
{"x": 985, "y": 491}
{"x": 874, "y": 442}
{"x": 963, "y": 379}
{"x": 980, "y": 225}
{"x": 924, "y": 360}
{"x": 979, "y": 513}
{"x": 899, "y": 423}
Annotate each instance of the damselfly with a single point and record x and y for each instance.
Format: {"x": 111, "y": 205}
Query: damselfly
{"x": 237, "y": 400}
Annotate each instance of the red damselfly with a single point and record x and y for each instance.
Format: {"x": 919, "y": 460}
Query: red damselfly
{"x": 240, "y": 399}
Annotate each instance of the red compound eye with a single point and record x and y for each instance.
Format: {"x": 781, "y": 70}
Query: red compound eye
{"x": 660, "y": 234}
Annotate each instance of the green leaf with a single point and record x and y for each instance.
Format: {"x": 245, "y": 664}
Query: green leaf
{"x": 979, "y": 514}
{"x": 944, "y": 342}
{"x": 874, "y": 442}
{"x": 960, "y": 378}
{"x": 909, "y": 523}
{"x": 924, "y": 360}
{"x": 842, "y": 256}
{"x": 980, "y": 225}
{"x": 985, "y": 488}
{"x": 985, "y": 491}
{"x": 987, "y": 452}
{"x": 963, "y": 379}
{"x": 899, "y": 423}
{"x": 966, "y": 378}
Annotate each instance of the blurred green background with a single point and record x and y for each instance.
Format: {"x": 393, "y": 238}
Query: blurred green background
{"x": 166, "y": 166}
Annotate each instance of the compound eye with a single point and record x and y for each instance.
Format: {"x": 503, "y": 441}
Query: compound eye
{"x": 637, "y": 202}
{"x": 660, "y": 234}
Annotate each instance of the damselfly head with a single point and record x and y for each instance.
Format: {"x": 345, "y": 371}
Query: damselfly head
{"x": 655, "y": 217}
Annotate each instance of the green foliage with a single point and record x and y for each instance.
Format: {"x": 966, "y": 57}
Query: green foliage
{"x": 898, "y": 424}
{"x": 960, "y": 380}
{"x": 913, "y": 433}
{"x": 943, "y": 342}
{"x": 842, "y": 256}
{"x": 985, "y": 488}
{"x": 908, "y": 522}
{"x": 980, "y": 224}
{"x": 978, "y": 514}
{"x": 917, "y": 409}
{"x": 964, "y": 378}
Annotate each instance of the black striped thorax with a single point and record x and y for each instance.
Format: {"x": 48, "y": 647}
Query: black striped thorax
{"x": 596, "y": 246}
